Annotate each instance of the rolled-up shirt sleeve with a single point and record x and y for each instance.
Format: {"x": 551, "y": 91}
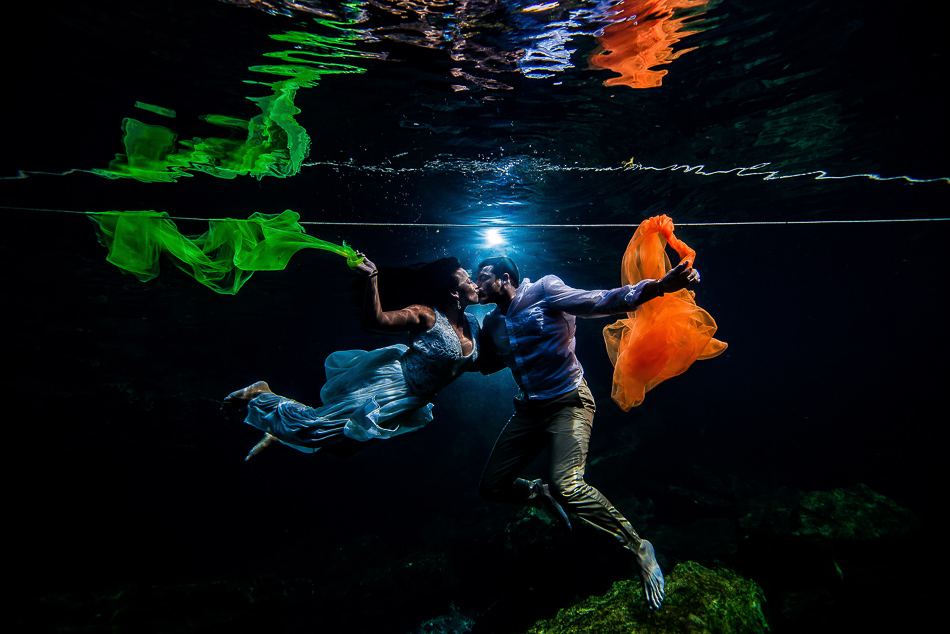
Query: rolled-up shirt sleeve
{"x": 582, "y": 303}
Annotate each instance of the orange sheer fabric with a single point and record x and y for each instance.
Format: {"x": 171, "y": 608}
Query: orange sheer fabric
{"x": 641, "y": 37}
{"x": 664, "y": 336}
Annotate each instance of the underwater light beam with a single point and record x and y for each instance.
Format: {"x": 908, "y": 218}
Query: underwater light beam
{"x": 493, "y": 237}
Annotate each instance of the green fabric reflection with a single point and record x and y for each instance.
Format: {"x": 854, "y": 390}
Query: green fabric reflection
{"x": 223, "y": 258}
{"x": 165, "y": 112}
{"x": 269, "y": 144}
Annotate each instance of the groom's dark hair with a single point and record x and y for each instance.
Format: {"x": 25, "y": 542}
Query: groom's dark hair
{"x": 501, "y": 265}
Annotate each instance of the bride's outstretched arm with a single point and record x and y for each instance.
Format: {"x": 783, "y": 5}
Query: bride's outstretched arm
{"x": 414, "y": 317}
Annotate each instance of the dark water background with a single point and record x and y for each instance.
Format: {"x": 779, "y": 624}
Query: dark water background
{"x": 121, "y": 471}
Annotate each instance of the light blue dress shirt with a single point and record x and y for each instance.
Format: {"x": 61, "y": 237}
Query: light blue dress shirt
{"x": 536, "y": 337}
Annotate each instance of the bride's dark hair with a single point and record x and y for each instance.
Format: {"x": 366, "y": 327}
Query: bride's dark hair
{"x": 423, "y": 283}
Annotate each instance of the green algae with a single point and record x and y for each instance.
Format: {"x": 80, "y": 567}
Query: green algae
{"x": 849, "y": 514}
{"x": 854, "y": 513}
{"x": 698, "y": 601}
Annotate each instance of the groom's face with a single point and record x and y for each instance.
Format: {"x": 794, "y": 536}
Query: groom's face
{"x": 489, "y": 286}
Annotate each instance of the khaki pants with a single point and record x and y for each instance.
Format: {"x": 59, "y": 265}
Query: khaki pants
{"x": 565, "y": 422}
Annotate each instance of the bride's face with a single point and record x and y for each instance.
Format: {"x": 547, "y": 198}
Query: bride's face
{"x": 468, "y": 292}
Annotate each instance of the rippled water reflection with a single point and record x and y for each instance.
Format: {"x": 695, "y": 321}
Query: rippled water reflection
{"x": 587, "y": 83}
{"x": 539, "y": 40}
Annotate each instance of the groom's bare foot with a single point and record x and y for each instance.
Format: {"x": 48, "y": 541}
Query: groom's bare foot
{"x": 240, "y": 398}
{"x": 265, "y": 442}
{"x": 653, "y": 584}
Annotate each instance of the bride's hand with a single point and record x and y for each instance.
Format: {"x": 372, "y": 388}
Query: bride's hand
{"x": 366, "y": 267}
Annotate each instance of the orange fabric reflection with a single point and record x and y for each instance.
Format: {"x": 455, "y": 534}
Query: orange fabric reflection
{"x": 642, "y": 37}
{"x": 664, "y": 336}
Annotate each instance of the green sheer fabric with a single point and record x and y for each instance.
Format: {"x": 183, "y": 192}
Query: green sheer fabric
{"x": 223, "y": 258}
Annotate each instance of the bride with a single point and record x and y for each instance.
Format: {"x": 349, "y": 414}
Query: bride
{"x": 381, "y": 393}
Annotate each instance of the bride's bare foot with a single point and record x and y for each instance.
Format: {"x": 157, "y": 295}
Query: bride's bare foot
{"x": 652, "y": 576}
{"x": 240, "y": 398}
{"x": 265, "y": 442}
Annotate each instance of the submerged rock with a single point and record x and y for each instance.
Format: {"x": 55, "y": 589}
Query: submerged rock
{"x": 853, "y": 514}
{"x": 856, "y": 513}
{"x": 455, "y": 622}
{"x": 698, "y": 601}
{"x": 818, "y": 555}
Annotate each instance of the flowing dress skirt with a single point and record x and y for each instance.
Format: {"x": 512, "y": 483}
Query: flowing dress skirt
{"x": 365, "y": 397}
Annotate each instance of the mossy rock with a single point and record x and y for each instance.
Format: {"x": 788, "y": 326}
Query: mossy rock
{"x": 855, "y": 513}
{"x": 698, "y": 601}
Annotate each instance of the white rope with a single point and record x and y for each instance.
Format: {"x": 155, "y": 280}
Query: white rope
{"x": 447, "y": 225}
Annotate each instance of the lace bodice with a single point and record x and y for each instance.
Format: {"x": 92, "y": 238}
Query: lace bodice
{"x": 435, "y": 359}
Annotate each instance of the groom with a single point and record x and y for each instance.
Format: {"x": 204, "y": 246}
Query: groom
{"x": 532, "y": 330}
